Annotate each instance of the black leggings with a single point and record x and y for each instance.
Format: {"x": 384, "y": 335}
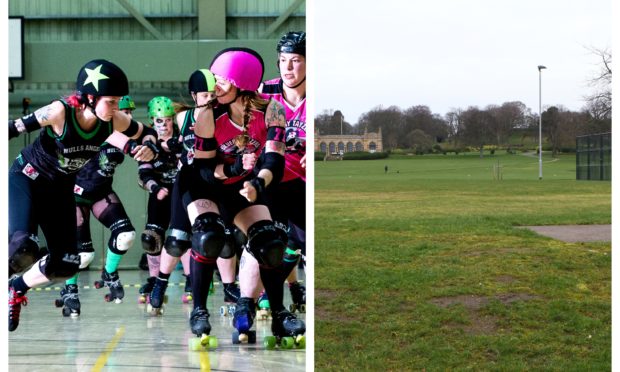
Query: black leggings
{"x": 49, "y": 204}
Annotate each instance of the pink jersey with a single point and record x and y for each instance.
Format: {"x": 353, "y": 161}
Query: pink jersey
{"x": 226, "y": 131}
{"x": 295, "y": 130}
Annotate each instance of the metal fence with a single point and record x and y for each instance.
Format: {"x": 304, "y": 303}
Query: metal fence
{"x": 594, "y": 157}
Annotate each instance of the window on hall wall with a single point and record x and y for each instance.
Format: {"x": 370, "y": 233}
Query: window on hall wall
{"x": 332, "y": 147}
{"x": 340, "y": 147}
{"x": 349, "y": 147}
{"x": 323, "y": 147}
{"x": 359, "y": 146}
{"x": 372, "y": 147}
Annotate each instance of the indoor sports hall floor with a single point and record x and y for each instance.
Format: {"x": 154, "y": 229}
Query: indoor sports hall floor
{"x": 124, "y": 337}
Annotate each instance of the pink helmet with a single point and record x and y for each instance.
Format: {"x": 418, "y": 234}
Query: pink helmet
{"x": 243, "y": 67}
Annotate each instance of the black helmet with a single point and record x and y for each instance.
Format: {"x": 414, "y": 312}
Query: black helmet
{"x": 102, "y": 78}
{"x": 201, "y": 81}
{"x": 293, "y": 42}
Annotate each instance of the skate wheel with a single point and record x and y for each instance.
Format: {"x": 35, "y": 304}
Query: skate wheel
{"x": 287, "y": 342}
{"x": 208, "y": 341}
{"x": 223, "y": 310}
{"x": 292, "y": 308}
{"x": 236, "y": 337}
{"x": 232, "y": 309}
{"x": 66, "y": 311}
{"x": 300, "y": 342}
{"x": 243, "y": 337}
{"x": 269, "y": 342}
{"x": 59, "y": 302}
{"x": 302, "y": 308}
{"x": 141, "y": 300}
{"x": 107, "y": 298}
{"x": 98, "y": 284}
{"x": 194, "y": 344}
{"x": 251, "y": 337}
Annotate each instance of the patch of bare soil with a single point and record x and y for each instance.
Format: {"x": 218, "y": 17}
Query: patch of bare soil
{"x": 479, "y": 323}
{"x": 321, "y": 312}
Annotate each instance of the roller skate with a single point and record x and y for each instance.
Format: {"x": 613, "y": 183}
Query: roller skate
{"x": 288, "y": 331}
{"x": 112, "y": 281}
{"x": 264, "y": 310}
{"x": 231, "y": 296}
{"x": 243, "y": 320}
{"x": 158, "y": 297}
{"x": 145, "y": 290}
{"x": 69, "y": 301}
{"x": 199, "y": 323}
{"x": 298, "y": 296}
{"x": 16, "y": 300}
{"x": 187, "y": 295}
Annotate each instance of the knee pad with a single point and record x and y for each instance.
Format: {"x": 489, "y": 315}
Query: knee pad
{"x": 177, "y": 243}
{"x": 122, "y": 241}
{"x": 152, "y": 239}
{"x": 151, "y": 242}
{"x": 86, "y": 253}
{"x": 23, "y": 251}
{"x": 230, "y": 248}
{"x": 209, "y": 235}
{"x": 60, "y": 268}
{"x": 123, "y": 235}
{"x": 266, "y": 243}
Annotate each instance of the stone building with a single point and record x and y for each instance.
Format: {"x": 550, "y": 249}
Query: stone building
{"x": 339, "y": 144}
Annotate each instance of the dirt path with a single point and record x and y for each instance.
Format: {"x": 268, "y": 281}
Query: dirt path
{"x": 574, "y": 233}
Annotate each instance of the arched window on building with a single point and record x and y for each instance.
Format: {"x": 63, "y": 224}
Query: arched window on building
{"x": 340, "y": 148}
{"x": 349, "y": 147}
{"x": 323, "y": 147}
{"x": 359, "y": 146}
{"x": 372, "y": 147}
{"x": 332, "y": 147}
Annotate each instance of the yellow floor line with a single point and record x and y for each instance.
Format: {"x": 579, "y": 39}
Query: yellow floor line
{"x": 205, "y": 363}
{"x": 103, "y": 358}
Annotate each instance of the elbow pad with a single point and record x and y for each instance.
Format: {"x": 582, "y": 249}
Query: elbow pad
{"x": 13, "y": 132}
{"x": 132, "y": 129}
{"x": 274, "y": 162}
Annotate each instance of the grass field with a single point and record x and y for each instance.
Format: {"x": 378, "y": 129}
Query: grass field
{"x": 423, "y": 268}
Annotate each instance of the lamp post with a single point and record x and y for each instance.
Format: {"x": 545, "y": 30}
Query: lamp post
{"x": 540, "y": 68}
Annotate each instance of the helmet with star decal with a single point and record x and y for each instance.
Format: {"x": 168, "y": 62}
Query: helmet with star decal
{"x": 100, "y": 77}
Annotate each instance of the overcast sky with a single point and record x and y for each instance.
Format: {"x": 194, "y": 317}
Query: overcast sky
{"x": 454, "y": 54}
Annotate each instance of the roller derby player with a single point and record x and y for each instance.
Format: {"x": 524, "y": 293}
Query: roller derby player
{"x": 42, "y": 178}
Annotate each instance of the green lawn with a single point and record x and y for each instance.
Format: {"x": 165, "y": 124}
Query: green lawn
{"x": 424, "y": 268}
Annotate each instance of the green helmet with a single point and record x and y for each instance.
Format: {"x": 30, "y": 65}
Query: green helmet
{"x": 160, "y": 107}
{"x": 126, "y": 103}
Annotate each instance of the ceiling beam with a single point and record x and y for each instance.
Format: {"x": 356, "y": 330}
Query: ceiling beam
{"x": 140, "y": 18}
{"x": 278, "y": 22}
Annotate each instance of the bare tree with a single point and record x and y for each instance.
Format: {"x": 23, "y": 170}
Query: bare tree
{"x": 599, "y": 103}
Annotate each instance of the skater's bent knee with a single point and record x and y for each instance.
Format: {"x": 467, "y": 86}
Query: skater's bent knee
{"x": 23, "y": 251}
{"x": 209, "y": 234}
{"x": 266, "y": 243}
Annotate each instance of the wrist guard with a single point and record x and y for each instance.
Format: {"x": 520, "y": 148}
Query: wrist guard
{"x": 130, "y": 146}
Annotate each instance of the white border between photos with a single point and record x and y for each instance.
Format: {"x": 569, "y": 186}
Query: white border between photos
{"x": 310, "y": 247}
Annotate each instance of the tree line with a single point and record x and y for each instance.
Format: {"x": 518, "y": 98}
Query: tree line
{"x": 509, "y": 125}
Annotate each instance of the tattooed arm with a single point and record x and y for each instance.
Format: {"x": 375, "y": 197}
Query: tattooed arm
{"x": 50, "y": 115}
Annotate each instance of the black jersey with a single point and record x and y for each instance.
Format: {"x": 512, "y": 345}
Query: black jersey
{"x": 51, "y": 155}
{"x": 187, "y": 138}
{"x": 96, "y": 178}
